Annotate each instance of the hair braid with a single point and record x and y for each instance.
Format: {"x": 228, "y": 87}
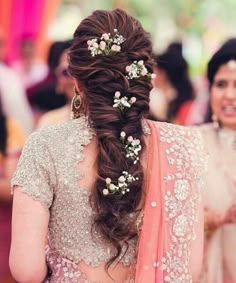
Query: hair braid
{"x": 100, "y": 77}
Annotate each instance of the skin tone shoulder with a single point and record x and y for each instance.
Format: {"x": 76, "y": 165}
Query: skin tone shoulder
{"x": 32, "y": 267}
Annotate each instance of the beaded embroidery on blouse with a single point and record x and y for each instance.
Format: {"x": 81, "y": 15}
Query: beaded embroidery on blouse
{"x": 48, "y": 171}
{"x": 183, "y": 152}
{"x": 49, "y": 174}
{"x": 66, "y": 271}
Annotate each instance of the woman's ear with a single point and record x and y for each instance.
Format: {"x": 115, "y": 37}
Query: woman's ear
{"x": 76, "y": 85}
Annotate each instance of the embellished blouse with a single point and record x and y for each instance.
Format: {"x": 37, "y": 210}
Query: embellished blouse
{"x": 48, "y": 171}
{"x": 218, "y": 197}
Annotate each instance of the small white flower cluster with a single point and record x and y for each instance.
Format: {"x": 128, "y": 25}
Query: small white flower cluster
{"x": 106, "y": 45}
{"x": 137, "y": 69}
{"x": 122, "y": 102}
{"x": 132, "y": 146}
{"x": 122, "y": 186}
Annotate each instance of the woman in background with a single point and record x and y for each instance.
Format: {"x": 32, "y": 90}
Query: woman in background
{"x": 173, "y": 93}
{"x": 220, "y": 192}
{"x": 44, "y": 96}
{"x": 65, "y": 85}
{"x": 11, "y": 143}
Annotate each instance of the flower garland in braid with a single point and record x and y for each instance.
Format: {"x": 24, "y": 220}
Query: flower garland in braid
{"x": 108, "y": 45}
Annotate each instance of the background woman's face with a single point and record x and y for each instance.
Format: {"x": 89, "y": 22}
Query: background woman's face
{"x": 223, "y": 95}
{"x": 65, "y": 82}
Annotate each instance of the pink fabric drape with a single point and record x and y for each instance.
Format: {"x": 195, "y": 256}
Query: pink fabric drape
{"x": 49, "y": 13}
{"x": 171, "y": 240}
{"x": 26, "y": 18}
{"x": 25, "y": 21}
{"x": 5, "y": 16}
{"x": 151, "y": 238}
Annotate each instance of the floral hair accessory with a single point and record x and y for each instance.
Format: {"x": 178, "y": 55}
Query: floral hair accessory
{"x": 122, "y": 102}
{"x": 132, "y": 146}
{"x": 122, "y": 185}
{"x": 106, "y": 45}
{"x": 137, "y": 70}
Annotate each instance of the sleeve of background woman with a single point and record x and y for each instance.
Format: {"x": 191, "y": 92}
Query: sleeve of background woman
{"x": 35, "y": 170}
{"x": 15, "y": 142}
{"x": 14, "y": 100}
{"x": 16, "y": 138}
{"x": 171, "y": 241}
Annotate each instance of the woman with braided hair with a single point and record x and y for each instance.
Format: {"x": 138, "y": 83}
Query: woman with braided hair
{"x": 115, "y": 196}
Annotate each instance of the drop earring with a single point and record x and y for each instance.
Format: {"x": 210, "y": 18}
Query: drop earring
{"x": 76, "y": 105}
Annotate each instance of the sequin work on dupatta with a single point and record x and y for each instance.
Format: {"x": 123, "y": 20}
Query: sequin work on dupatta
{"x": 183, "y": 149}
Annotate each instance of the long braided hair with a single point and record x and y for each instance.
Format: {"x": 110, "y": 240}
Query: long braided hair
{"x": 99, "y": 77}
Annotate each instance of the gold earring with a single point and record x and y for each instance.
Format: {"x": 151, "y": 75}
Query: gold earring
{"x": 76, "y": 105}
{"x": 215, "y": 121}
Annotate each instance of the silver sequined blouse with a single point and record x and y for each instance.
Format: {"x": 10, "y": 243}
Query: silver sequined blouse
{"x": 48, "y": 171}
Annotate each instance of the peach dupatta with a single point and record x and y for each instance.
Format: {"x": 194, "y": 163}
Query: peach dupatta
{"x": 171, "y": 241}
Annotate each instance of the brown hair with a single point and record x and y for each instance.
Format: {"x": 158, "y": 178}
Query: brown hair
{"x": 99, "y": 78}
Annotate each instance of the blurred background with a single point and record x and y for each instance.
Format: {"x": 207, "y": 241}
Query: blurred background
{"x": 29, "y": 28}
{"x": 200, "y": 24}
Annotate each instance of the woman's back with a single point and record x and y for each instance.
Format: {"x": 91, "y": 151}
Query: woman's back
{"x": 62, "y": 179}
{"x": 71, "y": 165}
{"x": 92, "y": 179}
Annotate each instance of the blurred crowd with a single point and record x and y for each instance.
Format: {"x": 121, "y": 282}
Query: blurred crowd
{"x": 36, "y": 94}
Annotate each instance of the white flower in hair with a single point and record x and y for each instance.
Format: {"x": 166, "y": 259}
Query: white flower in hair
{"x": 122, "y": 102}
{"x": 137, "y": 70}
{"x": 132, "y": 146}
{"x": 94, "y": 47}
{"x": 122, "y": 185}
{"x": 106, "y": 45}
{"x": 122, "y": 134}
